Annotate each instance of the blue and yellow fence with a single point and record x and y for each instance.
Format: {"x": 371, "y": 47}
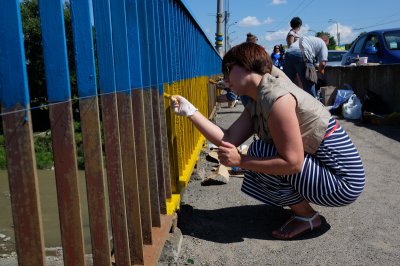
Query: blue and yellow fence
{"x": 144, "y": 50}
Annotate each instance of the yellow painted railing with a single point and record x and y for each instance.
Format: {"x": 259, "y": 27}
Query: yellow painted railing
{"x": 184, "y": 140}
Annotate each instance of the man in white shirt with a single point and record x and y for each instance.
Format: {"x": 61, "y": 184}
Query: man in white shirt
{"x": 315, "y": 48}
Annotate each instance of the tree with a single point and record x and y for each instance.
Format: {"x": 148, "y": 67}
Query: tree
{"x": 34, "y": 50}
{"x": 332, "y": 42}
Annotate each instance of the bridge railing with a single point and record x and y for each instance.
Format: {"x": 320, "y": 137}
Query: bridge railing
{"x": 144, "y": 51}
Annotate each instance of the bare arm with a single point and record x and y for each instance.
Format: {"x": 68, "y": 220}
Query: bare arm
{"x": 285, "y": 132}
{"x": 237, "y": 133}
{"x": 290, "y": 40}
{"x": 321, "y": 67}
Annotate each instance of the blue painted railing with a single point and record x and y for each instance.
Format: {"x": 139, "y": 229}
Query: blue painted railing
{"x": 146, "y": 51}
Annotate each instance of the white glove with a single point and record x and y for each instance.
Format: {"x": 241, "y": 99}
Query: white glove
{"x": 182, "y": 106}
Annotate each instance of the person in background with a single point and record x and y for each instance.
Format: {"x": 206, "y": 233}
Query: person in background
{"x": 251, "y": 38}
{"x": 306, "y": 49}
{"x": 229, "y": 97}
{"x": 282, "y": 51}
{"x": 293, "y": 35}
{"x": 276, "y": 57}
{"x": 301, "y": 156}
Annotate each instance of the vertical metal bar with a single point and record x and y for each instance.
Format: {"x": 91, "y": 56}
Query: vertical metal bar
{"x": 166, "y": 72}
{"x": 149, "y": 75}
{"x": 179, "y": 144}
{"x": 158, "y": 97}
{"x": 175, "y": 119}
{"x": 135, "y": 69}
{"x": 115, "y": 180}
{"x": 102, "y": 19}
{"x": 129, "y": 166}
{"x": 173, "y": 78}
{"x": 17, "y": 128}
{"x": 184, "y": 88}
{"x": 90, "y": 124}
{"x": 23, "y": 182}
{"x": 63, "y": 140}
{"x": 164, "y": 145}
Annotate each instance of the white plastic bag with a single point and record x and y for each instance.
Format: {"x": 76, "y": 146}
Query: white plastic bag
{"x": 352, "y": 109}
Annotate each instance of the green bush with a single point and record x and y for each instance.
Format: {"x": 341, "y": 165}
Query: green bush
{"x": 44, "y": 151}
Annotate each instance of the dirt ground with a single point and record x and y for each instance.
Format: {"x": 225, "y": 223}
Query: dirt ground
{"x": 223, "y": 226}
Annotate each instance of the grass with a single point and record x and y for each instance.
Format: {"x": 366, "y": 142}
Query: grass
{"x": 44, "y": 151}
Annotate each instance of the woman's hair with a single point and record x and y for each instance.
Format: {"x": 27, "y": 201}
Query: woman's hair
{"x": 250, "y": 56}
{"x": 296, "y": 22}
{"x": 251, "y": 38}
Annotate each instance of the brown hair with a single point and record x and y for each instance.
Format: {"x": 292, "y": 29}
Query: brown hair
{"x": 250, "y": 56}
{"x": 251, "y": 38}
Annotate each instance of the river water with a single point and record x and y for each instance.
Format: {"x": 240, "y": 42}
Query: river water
{"x": 50, "y": 218}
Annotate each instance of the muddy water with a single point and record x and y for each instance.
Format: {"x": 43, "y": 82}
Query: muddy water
{"x": 50, "y": 219}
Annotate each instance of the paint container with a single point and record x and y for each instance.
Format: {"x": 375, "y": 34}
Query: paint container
{"x": 363, "y": 60}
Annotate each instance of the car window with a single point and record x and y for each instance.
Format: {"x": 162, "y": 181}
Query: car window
{"x": 359, "y": 45}
{"x": 392, "y": 40}
{"x": 371, "y": 44}
{"x": 335, "y": 56}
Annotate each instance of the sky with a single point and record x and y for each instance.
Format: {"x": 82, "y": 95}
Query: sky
{"x": 269, "y": 19}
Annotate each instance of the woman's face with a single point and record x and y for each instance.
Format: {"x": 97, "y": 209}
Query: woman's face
{"x": 237, "y": 78}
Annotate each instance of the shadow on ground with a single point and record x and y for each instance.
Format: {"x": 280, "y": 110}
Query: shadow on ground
{"x": 390, "y": 131}
{"x": 234, "y": 224}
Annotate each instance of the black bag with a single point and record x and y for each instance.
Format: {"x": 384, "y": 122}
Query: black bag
{"x": 311, "y": 73}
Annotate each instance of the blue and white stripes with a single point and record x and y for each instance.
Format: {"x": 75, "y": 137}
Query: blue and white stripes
{"x": 334, "y": 176}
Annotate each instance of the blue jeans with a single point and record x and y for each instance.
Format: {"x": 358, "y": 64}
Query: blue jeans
{"x": 294, "y": 64}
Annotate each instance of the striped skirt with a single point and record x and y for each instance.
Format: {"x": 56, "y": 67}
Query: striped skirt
{"x": 334, "y": 176}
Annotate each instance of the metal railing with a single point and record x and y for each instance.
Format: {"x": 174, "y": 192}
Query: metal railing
{"x": 145, "y": 50}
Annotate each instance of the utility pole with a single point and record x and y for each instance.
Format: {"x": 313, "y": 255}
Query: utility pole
{"x": 218, "y": 35}
{"x": 337, "y": 30}
{"x": 226, "y": 19}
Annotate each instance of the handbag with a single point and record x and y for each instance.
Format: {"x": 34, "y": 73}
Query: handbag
{"x": 311, "y": 72}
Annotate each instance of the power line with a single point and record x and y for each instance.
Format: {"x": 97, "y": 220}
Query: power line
{"x": 288, "y": 16}
{"x": 388, "y": 22}
{"x": 297, "y": 10}
{"x": 75, "y": 99}
{"x": 306, "y": 6}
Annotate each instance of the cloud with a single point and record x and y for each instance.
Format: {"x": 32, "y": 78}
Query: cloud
{"x": 268, "y": 21}
{"x": 250, "y": 21}
{"x": 279, "y": 35}
{"x": 346, "y": 33}
{"x": 278, "y": 2}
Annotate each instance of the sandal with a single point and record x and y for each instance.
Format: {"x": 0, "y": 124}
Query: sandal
{"x": 303, "y": 219}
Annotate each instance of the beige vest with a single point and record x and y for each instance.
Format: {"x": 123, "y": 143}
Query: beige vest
{"x": 312, "y": 115}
